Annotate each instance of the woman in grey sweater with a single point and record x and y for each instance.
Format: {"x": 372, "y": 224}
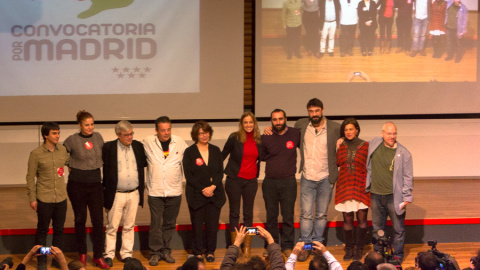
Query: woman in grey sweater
{"x": 85, "y": 185}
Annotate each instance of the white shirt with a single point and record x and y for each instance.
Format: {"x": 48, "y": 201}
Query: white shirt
{"x": 164, "y": 175}
{"x": 421, "y": 9}
{"x": 348, "y": 12}
{"x": 330, "y": 11}
{"x": 127, "y": 168}
{"x": 316, "y": 153}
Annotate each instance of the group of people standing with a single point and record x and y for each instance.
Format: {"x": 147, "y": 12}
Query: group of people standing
{"x": 330, "y": 154}
{"x": 445, "y": 20}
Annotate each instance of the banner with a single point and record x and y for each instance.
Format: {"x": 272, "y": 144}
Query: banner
{"x": 81, "y": 47}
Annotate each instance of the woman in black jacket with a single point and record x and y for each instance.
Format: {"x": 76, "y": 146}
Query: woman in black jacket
{"x": 367, "y": 23}
{"x": 203, "y": 168}
{"x": 244, "y": 149}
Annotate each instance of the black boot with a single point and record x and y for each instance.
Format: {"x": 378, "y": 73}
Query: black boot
{"x": 349, "y": 240}
{"x": 361, "y": 235}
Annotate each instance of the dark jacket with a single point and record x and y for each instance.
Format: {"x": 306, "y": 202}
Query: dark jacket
{"x": 404, "y": 9}
{"x": 110, "y": 170}
{"x": 198, "y": 176}
{"x": 274, "y": 252}
{"x": 321, "y": 9}
{"x": 234, "y": 148}
{"x": 367, "y": 15}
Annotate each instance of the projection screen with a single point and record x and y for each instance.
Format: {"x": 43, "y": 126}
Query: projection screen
{"x": 122, "y": 59}
{"x": 388, "y": 83}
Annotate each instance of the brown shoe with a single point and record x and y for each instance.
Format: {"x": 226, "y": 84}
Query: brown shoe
{"x": 303, "y": 256}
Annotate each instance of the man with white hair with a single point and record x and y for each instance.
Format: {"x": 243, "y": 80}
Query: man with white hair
{"x": 390, "y": 182}
{"x": 124, "y": 161}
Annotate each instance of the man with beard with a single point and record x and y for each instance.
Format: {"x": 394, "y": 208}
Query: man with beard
{"x": 280, "y": 186}
{"x": 319, "y": 171}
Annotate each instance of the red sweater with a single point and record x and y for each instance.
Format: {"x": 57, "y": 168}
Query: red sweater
{"x": 248, "y": 167}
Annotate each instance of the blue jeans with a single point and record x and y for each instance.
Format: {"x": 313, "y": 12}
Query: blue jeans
{"x": 419, "y": 31}
{"x": 383, "y": 206}
{"x": 314, "y": 194}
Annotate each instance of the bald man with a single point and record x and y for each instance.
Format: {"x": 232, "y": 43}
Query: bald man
{"x": 390, "y": 183}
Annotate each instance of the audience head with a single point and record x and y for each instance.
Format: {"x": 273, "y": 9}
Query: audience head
{"x": 386, "y": 266}
{"x": 133, "y": 264}
{"x": 426, "y": 261}
{"x": 318, "y": 262}
{"x": 372, "y": 259}
{"x": 357, "y": 265}
{"x": 257, "y": 263}
{"x": 193, "y": 263}
{"x": 76, "y": 265}
{"x": 241, "y": 266}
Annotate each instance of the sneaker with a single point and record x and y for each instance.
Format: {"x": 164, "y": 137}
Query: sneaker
{"x": 168, "y": 258}
{"x": 154, "y": 260}
{"x": 108, "y": 261}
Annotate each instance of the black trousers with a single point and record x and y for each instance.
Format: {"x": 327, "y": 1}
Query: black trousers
{"x": 283, "y": 193}
{"x": 310, "y": 21}
{"x": 239, "y": 189}
{"x": 163, "y": 222}
{"x": 82, "y": 196}
{"x": 209, "y": 215}
{"x": 347, "y": 37}
{"x": 367, "y": 38}
{"x": 385, "y": 25}
{"x": 293, "y": 40}
{"x": 46, "y": 212}
{"x": 404, "y": 33}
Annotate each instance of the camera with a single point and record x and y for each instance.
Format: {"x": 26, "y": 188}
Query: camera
{"x": 308, "y": 246}
{"x": 387, "y": 251}
{"x": 44, "y": 250}
{"x": 445, "y": 261}
{"x": 252, "y": 231}
{"x": 357, "y": 73}
{"x": 8, "y": 261}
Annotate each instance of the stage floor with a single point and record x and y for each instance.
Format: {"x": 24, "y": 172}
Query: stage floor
{"x": 461, "y": 251}
{"x": 450, "y": 200}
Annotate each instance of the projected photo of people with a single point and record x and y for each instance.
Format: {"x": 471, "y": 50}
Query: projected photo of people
{"x": 326, "y": 41}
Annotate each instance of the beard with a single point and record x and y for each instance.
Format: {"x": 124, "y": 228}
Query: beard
{"x": 279, "y": 129}
{"x": 316, "y": 119}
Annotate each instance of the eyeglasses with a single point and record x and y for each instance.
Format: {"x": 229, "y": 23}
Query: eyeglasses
{"x": 390, "y": 133}
{"x": 128, "y": 135}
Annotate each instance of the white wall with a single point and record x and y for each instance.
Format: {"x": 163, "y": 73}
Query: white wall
{"x": 440, "y": 148}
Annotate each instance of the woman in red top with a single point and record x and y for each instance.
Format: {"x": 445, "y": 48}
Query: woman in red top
{"x": 350, "y": 195}
{"x": 386, "y": 13}
{"x": 245, "y": 150}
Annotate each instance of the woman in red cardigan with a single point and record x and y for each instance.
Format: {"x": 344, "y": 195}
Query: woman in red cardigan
{"x": 350, "y": 195}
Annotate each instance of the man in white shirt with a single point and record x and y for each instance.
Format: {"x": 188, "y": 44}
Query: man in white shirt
{"x": 164, "y": 187}
{"x": 420, "y": 23}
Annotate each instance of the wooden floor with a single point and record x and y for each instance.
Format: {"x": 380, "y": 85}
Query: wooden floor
{"x": 433, "y": 199}
{"x": 461, "y": 251}
{"x": 393, "y": 67}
